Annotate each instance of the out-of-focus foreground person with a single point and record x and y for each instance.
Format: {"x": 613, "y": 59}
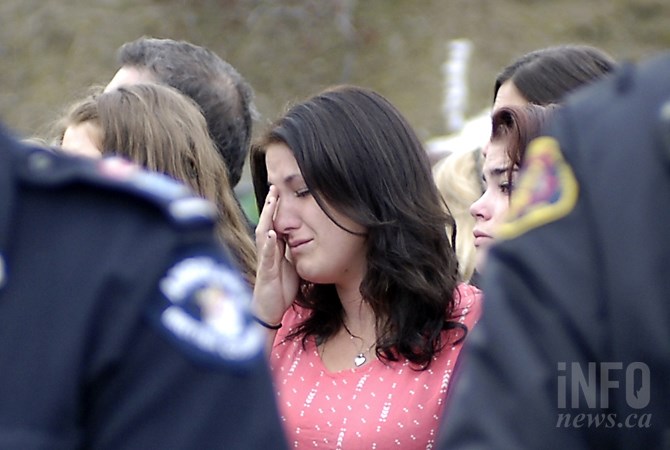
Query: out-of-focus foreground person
{"x": 357, "y": 281}
{"x": 572, "y": 349}
{"x": 224, "y": 96}
{"x": 162, "y": 130}
{"x": 123, "y": 324}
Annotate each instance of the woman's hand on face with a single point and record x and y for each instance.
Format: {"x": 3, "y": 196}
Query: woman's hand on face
{"x": 276, "y": 279}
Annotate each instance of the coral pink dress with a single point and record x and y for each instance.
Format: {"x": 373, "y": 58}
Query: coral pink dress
{"x": 375, "y": 406}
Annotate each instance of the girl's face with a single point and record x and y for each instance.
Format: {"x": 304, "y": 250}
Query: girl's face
{"x": 321, "y": 251}
{"x": 83, "y": 139}
{"x": 491, "y": 208}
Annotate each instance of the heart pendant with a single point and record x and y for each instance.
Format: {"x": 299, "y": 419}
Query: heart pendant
{"x": 359, "y": 360}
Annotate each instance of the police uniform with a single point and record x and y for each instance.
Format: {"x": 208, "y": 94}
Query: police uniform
{"x": 573, "y": 348}
{"x": 122, "y": 323}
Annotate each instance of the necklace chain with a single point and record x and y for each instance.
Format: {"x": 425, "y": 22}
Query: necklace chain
{"x": 360, "y": 357}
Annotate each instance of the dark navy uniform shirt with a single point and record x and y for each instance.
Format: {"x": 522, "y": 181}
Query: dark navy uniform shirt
{"x": 122, "y": 323}
{"x": 573, "y": 348}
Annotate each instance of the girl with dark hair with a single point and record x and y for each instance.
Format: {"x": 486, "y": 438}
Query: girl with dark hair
{"x": 357, "y": 282}
{"x": 512, "y": 130}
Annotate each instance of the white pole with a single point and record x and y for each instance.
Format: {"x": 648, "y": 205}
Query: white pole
{"x": 456, "y": 86}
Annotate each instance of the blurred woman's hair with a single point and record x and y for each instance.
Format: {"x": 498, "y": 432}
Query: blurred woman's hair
{"x": 458, "y": 179}
{"x": 547, "y": 75}
{"x": 164, "y": 131}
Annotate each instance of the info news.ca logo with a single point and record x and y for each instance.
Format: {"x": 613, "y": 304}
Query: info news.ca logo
{"x": 590, "y": 385}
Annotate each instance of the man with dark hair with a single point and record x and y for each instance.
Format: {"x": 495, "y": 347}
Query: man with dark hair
{"x": 572, "y": 348}
{"x": 223, "y": 95}
{"x": 123, "y": 324}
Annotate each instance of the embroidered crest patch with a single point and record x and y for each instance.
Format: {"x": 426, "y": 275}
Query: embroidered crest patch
{"x": 547, "y": 190}
{"x": 205, "y": 311}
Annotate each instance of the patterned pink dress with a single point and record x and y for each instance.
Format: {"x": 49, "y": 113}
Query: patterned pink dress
{"x": 375, "y": 406}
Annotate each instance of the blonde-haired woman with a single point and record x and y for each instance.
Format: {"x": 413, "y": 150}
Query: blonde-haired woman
{"x": 457, "y": 177}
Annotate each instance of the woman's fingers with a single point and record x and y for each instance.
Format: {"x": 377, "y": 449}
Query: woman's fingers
{"x": 268, "y": 264}
{"x": 267, "y": 302}
{"x": 265, "y": 218}
{"x": 276, "y": 279}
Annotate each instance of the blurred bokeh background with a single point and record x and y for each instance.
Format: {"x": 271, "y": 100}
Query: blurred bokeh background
{"x": 51, "y": 52}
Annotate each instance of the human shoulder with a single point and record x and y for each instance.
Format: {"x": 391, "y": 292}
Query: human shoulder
{"x": 51, "y": 171}
{"x": 157, "y": 237}
{"x": 467, "y": 305}
{"x": 467, "y": 296}
{"x": 292, "y": 318}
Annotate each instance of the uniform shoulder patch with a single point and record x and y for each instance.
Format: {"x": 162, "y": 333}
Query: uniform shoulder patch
{"x": 547, "y": 190}
{"x": 204, "y": 310}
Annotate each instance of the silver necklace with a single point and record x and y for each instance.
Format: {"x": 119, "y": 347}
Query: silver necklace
{"x": 360, "y": 358}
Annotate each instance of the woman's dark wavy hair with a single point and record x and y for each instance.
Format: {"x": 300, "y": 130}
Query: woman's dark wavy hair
{"x": 358, "y": 155}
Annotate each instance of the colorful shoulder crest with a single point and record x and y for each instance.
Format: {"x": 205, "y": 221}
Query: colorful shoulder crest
{"x": 547, "y": 190}
{"x": 204, "y": 310}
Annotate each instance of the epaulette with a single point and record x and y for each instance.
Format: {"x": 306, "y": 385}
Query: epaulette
{"x": 41, "y": 167}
